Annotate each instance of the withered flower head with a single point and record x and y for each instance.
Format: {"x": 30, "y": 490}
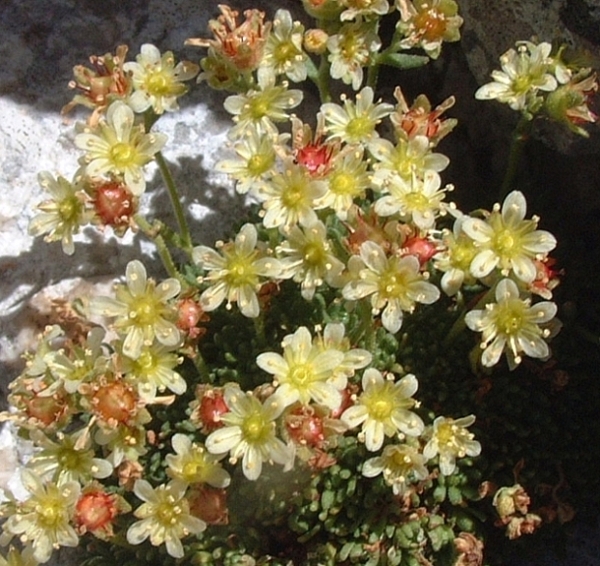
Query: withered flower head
{"x": 104, "y": 83}
{"x": 241, "y": 44}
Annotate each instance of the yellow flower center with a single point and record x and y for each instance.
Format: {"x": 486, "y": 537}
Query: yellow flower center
{"x": 123, "y": 155}
{"x": 506, "y": 242}
{"x": 417, "y": 201}
{"x": 159, "y": 83}
{"x": 259, "y": 106}
{"x": 301, "y": 375}
{"x": 511, "y": 316}
{"x": 284, "y": 52}
{"x": 146, "y": 362}
{"x": 293, "y": 196}
{"x": 462, "y": 253}
{"x": 380, "y": 401}
{"x": 146, "y": 310}
{"x": 315, "y": 254}
{"x": 241, "y": 271}
{"x": 69, "y": 208}
{"x": 50, "y": 513}
{"x": 445, "y": 434}
{"x": 70, "y": 459}
{"x": 254, "y": 428}
{"x": 393, "y": 285}
{"x": 259, "y": 164}
{"x": 342, "y": 183}
{"x": 167, "y": 513}
{"x": 359, "y": 127}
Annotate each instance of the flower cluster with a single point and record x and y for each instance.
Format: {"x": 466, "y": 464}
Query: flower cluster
{"x": 284, "y": 355}
{"x": 535, "y": 79}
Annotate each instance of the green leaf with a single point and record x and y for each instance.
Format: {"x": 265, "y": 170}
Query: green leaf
{"x": 327, "y": 499}
{"x": 455, "y": 495}
{"x": 403, "y": 60}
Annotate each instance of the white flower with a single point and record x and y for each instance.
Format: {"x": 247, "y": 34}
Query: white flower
{"x": 400, "y": 464}
{"x": 307, "y": 257}
{"x": 394, "y": 284}
{"x": 152, "y": 370}
{"x": 334, "y": 339}
{"x": 362, "y": 8}
{"x": 511, "y": 324}
{"x": 259, "y": 109}
{"x": 508, "y": 241}
{"x": 283, "y": 52}
{"x": 355, "y": 123}
{"x": 455, "y": 259}
{"x": 409, "y": 157}
{"x": 347, "y": 179}
{"x": 63, "y": 214}
{"x": 305, "y": 372}
{"x": 450, "y": 439}
{"x": 254, "y": 161}
{"x": 383, "y": 408}
{"x": 142, "y": 309}
{"x": 416, "y": 200}
{"x": 44, "y": 519}
{"x": 524, "y": 71}
{"x": 235, "y": 274}
{"x": 164, "y": 516}
{"x": 80, "y": 363}
{"x": 290, "y": 197}
{"x": 157, "y": 81}
{"x": 350, "y": 50}
{"x": 117, "y": 146}
{"x": 192, "y": 464}
{"x": 249, "y": 432}
{"x": 70, "y": 459}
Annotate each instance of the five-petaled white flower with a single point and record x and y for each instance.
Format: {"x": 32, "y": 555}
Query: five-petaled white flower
{"x": 450, "y": 440}
{"x": 290, "y": 198}
{"x": 383, "y": 408}
{"x": 192, "y": 463}
{"x": 305, "y": 372}
{"x": 63, "y": 214}
{"x": 164, "y": 516}
{"x": 308, "y": 258}
{"x": 235, "y": 274}
{"x": 157, "y": 81}
{"x": 401, "y": 465}
{"x": 44, "y": 519}
{"x": 416, "y": 200}
{"x": 350, "y": 50}
{"x": 249, "y": 432}
{"x": 508, "y": 241}
{"x": 409, "y": 157}
{"x": 119, "y": 147}
{"x": 511, "y": 324}
{"x": 142, "y": 310}
{"x": 355, "y": 122}
{"x": 283, "y": 54}
{"x": 525, "y": 70}
{"x": 394, "y": 284}
{"x": 259, "y": 110}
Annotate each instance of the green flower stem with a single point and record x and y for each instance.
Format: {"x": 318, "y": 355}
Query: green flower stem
{"x": 154, "y": 233}
{"x": 200, "y": 364}
{"x": 323, "y": 80}
{"x": 517, "y": 145}
{"x": 460, "y": 323}
{"x": 184, "y": 231}
{"x": 373, "y": 75}
{"x": 259, "y": 330}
